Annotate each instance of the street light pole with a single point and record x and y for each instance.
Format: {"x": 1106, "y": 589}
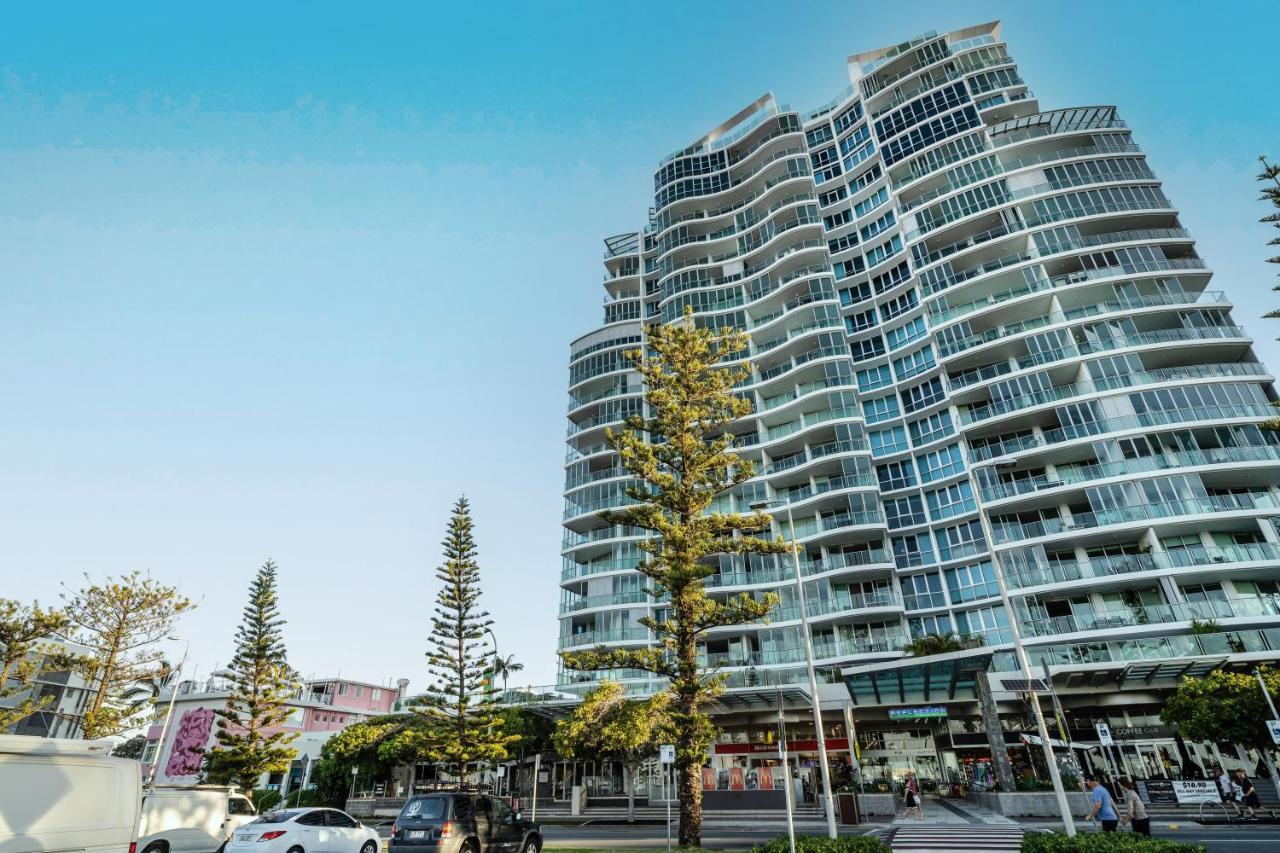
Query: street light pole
{"x": 493, "y": 684}
{"x": 168, "y": 714}
{"x": 1068, "y": 820}
{"x": 827, "y": 799}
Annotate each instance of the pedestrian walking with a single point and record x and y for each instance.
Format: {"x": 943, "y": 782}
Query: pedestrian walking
{"x": 1135, "y": 811}
{"x": 1249, "y": 796}
{"x": 911, "y": 795}
{"x": 1227, "y": 789}
{"x": 1101, "y": 807}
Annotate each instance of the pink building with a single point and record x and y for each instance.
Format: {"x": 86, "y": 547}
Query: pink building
{"x": 321, "y": 708}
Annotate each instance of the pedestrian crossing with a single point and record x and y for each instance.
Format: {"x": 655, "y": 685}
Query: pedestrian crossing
{"x": 955, "y": 838}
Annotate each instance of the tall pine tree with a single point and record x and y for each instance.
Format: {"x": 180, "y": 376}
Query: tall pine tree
{"x": 682, "y": 454}
{"x": 465, "y": 727}
{"x": 250, "y": 738}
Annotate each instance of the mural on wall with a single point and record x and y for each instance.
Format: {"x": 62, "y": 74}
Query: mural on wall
{"x": 188, "y": 743}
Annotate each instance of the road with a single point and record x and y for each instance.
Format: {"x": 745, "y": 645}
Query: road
{"x": 1218, "y": 839}
{"x": 1226, "y": 839}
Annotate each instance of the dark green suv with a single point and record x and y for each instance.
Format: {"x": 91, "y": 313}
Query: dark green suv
{"x": 458, "y": 822}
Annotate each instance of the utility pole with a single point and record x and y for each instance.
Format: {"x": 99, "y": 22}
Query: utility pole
{"x": 1266, "y": 753}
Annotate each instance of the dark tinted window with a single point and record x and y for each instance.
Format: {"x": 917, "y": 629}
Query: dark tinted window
{"x": 239, "y": 805}
{"x": 463, "y": 808}
{"x": 337, "y": 818}
{"x": 281, "y": 816}
{"x": 501, "y": 810}
{"x": 315, "y": 818}
{"x": 421, "y": 810}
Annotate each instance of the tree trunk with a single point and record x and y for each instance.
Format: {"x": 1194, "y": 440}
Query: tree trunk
{"x": 633, "y": 772}
{"x": 689, "y": 780}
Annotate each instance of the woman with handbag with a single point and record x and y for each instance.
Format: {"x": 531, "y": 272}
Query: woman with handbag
{"x": 1135, "y": 811}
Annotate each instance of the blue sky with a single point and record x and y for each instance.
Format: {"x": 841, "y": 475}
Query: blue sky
{"x": 286, "y": 280}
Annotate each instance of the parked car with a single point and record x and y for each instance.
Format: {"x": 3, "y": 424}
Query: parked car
{"x": 304, "y": 831}
{"x": 191, "y": 819}
{"x": 459, "y": 822}
{"x": 58, "y": 795}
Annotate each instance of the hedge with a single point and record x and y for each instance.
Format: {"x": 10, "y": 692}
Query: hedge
{"x": 1102, "y": 842}
{"x": 822, "y": 844}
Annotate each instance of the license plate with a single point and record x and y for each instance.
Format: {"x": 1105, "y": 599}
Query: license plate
{"x": 243, "y": 837}
{"x": 417, "y": 833}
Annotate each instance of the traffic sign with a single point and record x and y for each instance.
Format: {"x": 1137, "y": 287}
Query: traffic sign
{"x": 667, "y": 753}
{"x": 1273, "y": 726}
{"x": 1104, "y": 734}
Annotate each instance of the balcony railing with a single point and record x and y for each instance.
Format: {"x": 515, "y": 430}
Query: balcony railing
{"x": 1009, "y": 405}
{"x": 1130, "y": 617}
{"x": 1058, "y": 571}
{"x": 1160, "y": 417}
{"x": 1006, "y": 531}
{"x": 1065, "y": 476}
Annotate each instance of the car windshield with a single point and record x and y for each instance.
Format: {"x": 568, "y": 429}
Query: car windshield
{"x": 282, "y": 816}
{"x": 422, "y": 809}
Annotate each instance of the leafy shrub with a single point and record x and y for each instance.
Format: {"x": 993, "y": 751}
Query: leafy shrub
{"x": 822, "y": 844}
{"x": 1102, "y": 842}
{"x": 265, "y": 799}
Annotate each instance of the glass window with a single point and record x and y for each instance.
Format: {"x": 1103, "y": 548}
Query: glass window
{"x": 904, "y": 512}
{"x": 969, "y": 583}
{"x": 313, "y": 818}
{"x": 239, "y": 805}
{"x": 880, "y": 409}
{"x": 885, "y": 442}
{"x": 336, "y": 818}
{"x": 950, "y": 501}
{"x": 421, "y": 809}
{"x": 501, "y": 811}
{"x": 940, "y": 463}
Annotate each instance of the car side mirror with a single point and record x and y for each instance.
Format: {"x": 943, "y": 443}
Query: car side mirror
{"x": 518, "y": 816}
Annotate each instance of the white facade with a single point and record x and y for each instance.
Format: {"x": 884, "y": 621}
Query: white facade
{"x": 958, "y": 303}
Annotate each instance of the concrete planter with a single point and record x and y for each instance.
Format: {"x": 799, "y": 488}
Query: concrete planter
{"x": 1028, "y": 803}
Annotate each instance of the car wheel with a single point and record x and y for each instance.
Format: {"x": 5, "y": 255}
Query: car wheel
{"x": 531, "y": 845}
{"x": 156, "y": 847}
{"x": 296, "y": 850}
{"x": 470, "y": 847}
{"x": 369, "y": 847}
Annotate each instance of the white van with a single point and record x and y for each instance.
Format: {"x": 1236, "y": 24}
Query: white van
{"x": 62, "y": 795}
{"x": 195, "y": 819}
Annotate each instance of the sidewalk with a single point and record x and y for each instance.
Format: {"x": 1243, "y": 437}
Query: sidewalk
{"x": 946, "y": 812}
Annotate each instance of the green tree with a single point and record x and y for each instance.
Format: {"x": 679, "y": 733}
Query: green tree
{"x": 682, "y": 455}
{"x": 1225, "y": 706}
{"x": 131, "y": 748}
{"x": 376, "y": 748}
{"x": 121, "y": 622}
{"x": 1269, "y": 177}
{"x": 609, "y": 727}
{"x": 937, "y": 644}
{"x": 250, "y": 740}
{"x": 24, "y": 635}
{"x": 463, "y": 721}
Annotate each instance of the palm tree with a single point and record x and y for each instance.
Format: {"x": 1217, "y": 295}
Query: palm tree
{"x": 146, "y": 693}
{"x": 504, "y": 667}
{"x": 937, "y": 644}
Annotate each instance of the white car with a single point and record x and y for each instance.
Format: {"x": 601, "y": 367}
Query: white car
{"x": 305, "y": 831}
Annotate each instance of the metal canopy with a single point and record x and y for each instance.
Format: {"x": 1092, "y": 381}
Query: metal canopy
{"x": 1149, "y": 671}
{"x": 747, "y": 698}
{"x": 938, "y": 678}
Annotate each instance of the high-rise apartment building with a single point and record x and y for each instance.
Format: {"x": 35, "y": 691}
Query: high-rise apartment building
{"x": 959, "y": 302}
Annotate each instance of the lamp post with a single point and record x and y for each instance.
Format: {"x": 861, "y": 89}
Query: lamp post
{"x": 493, "y": 686}
{"x": 168, "y": 714}
{"x": 1068, "y": 821}
{"x": 828, "y": 802}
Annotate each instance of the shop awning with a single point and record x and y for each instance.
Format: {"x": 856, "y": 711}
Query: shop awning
{"x": 1149, "y": 671}
{"x": 747, "y": 698}
{"x": 938, "y": 678}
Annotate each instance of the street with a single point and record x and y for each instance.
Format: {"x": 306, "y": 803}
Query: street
{"x": 1218, "y": 839}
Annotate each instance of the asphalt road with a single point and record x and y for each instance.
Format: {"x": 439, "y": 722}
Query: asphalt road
{"x": 1218, "y": 839}
{"x": 1227, "y": 839}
